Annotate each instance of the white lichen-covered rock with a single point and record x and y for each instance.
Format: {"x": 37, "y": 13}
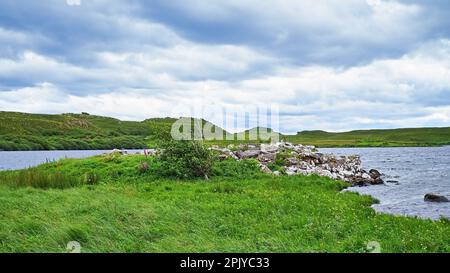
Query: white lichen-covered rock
{"x": 291, "y": 171}
{"x": 265, "y": 169}
{"x": 270, "y": 148}
{"x": 248, "y": 154}
{"x": 117, "y": 151}
{"x": 267, "y": 157}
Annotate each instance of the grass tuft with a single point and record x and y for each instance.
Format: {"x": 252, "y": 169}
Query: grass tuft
{"x": 44, "y": 180}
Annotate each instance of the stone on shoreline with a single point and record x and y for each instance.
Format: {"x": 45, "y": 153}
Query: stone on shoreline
{"x": 431, "y": 197}
{"x": 117, "y": 151}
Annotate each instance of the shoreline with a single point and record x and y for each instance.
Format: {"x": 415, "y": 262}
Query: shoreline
{"x": 379, "y": 202}
{"x": 273, "y": 171}
{"x": 237, "y": 143}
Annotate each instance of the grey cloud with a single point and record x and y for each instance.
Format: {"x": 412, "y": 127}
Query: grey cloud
{"x": 303, "y": 32}
{"x": 328, "y": 65}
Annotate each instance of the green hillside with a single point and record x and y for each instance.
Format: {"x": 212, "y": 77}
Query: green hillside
{"x": 375, "y": 138}
{"x": 22, "y": 131}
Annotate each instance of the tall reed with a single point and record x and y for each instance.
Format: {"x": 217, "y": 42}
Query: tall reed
{"x": 42, "y": 180}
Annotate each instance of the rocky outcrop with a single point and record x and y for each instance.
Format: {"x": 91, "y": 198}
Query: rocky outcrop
{"x": 376, "y": 176}
{"x": 431, "y": 197}
{"x": 248, "y": 154}
{"x": 303, "y": 160}
{"x": 146, "y": 152}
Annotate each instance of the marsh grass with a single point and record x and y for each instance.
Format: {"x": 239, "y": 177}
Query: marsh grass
{"x": 44, "y": 180}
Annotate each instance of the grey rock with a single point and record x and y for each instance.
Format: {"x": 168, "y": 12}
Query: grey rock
{"x": 393, "y": 182}
{"x": 291, "y": 171}
{"x": 222, "y": 157}
{"x": 248, "y": 154}
{"x": 431, "y": 197}
{"x": 292, "y": 161}
{"x": 267, "y": 157}
{"x": 117, "y": 151}
{"x": 374, "y": 174}
{"x": 377, "y": 181}
{"x": 270, "y": 148}
{"x": 265, "y": 169}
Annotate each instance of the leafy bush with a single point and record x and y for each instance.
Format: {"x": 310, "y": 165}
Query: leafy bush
{"x": 186, "y": 159}
{"x": 233, "y": 168}
{"x": 281, "y": 158}
{"x": 91, "y": 178}
{"x": 115, "y": 157}
{"x": 143, "y": 167}
{"x": 275, "y": 167}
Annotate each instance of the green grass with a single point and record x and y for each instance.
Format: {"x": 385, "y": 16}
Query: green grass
{"x": 238, "y": 210}
{"x": 375, "y": 138}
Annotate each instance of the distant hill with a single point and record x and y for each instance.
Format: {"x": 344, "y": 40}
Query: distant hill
{"x": 375, "y": 138}
{"x": 262, "y": 133}
{"x": 22, "y": 131}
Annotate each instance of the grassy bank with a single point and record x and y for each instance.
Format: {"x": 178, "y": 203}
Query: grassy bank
{"x": 414, "y": 137}
{"x": 131, "y": 209}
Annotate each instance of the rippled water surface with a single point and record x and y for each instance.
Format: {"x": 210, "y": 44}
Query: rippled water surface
{"x": 25, "y": 159}
{"x": 412, "y": 172}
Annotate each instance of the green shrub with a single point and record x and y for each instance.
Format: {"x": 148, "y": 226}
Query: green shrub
{"x": 186, "y": 159}
{"x": 233, "y": 168}
{"x": 115, "y": 157}
{"x": 91, "y": 178}
{"x": 281, "y": 158}
{"x": 275, "y": 167}
{"x": 143, "y": 167}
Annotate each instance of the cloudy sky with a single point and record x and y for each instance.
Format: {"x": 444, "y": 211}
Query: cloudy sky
{"x": 326, "y": 64}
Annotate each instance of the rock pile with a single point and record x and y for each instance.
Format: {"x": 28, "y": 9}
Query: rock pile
{"x": 303, "y": 160}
